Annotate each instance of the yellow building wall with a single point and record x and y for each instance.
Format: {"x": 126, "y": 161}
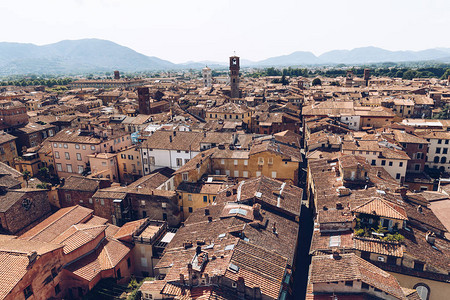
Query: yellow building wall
{"x": 196, "y": 202}
{"x": 273, "y": 167}
{"x": 438, "y": 290}
{"x": 129, "y": 167}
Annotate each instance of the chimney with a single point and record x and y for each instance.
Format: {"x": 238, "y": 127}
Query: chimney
{"x": 274, "y": 228}
{"x": 116, "y": 75}
{"x": 31, "y": 257}
{"x": 256, "y": 210}
{"x": 170, "y": 138}
{"x": 419, "y": 209}
{"x": 181, "y": 279}
{"x": 336, "y": 255}
{"x": 430, "y": 237}
{"x": 206, "y": 211}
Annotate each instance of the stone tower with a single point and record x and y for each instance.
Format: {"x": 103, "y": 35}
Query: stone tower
{"x": 144, "y": 100}
{"x": 349, "y": 78}
{"x": 366, "y": 76}
{"x": 234, "y": 76}
{"x": 207, "y": 77}
{"x": 116, "y": 75}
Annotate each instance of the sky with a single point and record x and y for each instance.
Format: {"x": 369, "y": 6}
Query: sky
{"x": 212, "y": 30}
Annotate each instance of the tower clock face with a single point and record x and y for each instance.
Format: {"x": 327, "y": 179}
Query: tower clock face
{"x": 26, "y": 203}
{"x": 234, "y": 61}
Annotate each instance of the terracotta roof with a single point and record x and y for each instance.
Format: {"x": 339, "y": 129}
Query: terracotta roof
{"x": 350, "y": 267}
{"x": 108, "y": 256}
{"x": 80, "y": 183}
{"x": 380, "y": 207}
{"x": 53, "y": 226}
{"x": 78, "y": 235}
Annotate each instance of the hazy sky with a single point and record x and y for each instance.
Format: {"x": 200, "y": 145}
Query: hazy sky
{"x": 185, "y": 30}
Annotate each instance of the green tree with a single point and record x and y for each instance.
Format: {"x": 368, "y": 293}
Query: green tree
{"x": 444, "y": 113}
{"x": 26, "y": 176}
{"x": 316, "y": 81}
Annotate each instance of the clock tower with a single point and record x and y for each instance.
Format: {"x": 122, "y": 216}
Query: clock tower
{"x": 234, "y": 76}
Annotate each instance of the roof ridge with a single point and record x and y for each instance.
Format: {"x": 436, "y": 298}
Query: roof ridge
{"x": 51, "y": 223}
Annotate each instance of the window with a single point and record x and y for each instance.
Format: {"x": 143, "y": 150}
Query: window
{"x": 164, "y": 217}
{"x": 236, "y": 173}
{"x": 68, "y": 197}
{"x": 128, "y": 262}
{"x": 270, "y": 161}
{"x": 90, "y": 200}
{"x": 59, "y": 167}
{"x": 69, "y": 168}
{"x": 222, "y": 161}
{"x": 102, "y": 201}
{"x": 258, "y": 173}
{"x": 274, "y": 174}
{"x": 364, "y": 286}
{"x": 443, "y": 160}
{"x": 374, "y": 162}
{"x": 103, "y": 163}
{"x": 67, "y": 155}
{"x": 438, "y": 150}
{"x": 423, "y": 290}
{"x": 235, "y": 162}
{"x": 93, "y": 148}
{"x": 28, "y": 292}
{"x": 420, "y": 146}
{"x": 436, "y": 159}
{"x": 390, "y": 164}
{"x": 383, "y": 162}
{"x": 349, "y": 283}
{"x": 78, "y": 156}
{"x": 56, "y": 154}
{"x": 439, "y": 141}
{"x": 260, "y": 161}
{"x": 77, "y": 146}
{"x": 189, "y": 197}
{"x": 66, "y": 146}
{"x": 205, "y": 198}
{"x": 55, "y": 145}
{"x": 245, "y": 174}
{"x": 444, "y": 150}
{"x": 185, "y": 176}
{"x": 179, "y": 162}
{"x": 417, "y": 167}
{"x": 245, "y": 162}
{"x": 144, "y": 262}
{"x": 84, "y": 147}
{"x": 418, "y": 266}
{"x": 400, "y": 164}
{"x": 397, "y": 176}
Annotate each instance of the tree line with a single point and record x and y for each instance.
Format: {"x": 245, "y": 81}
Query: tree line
{"x": 441, "y": 72}
{"x": 49, "y": 82}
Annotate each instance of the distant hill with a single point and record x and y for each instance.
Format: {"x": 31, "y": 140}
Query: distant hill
{"x": 74, "y": 56}
{"x": 293, "y": 59}
{"x": 95, "y": 55}
{"x": 378, "y": 55}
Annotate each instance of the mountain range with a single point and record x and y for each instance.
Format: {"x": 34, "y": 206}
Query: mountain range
{"x": 96, "y": 55}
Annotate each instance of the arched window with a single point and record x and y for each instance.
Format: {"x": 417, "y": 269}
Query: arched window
{"x": 436, "y": 159}
{"x": 443, "y": 160}
{"x": 423, "y": 290}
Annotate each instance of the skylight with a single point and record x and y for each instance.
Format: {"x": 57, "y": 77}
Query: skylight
{"x": 238, "y": 211}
